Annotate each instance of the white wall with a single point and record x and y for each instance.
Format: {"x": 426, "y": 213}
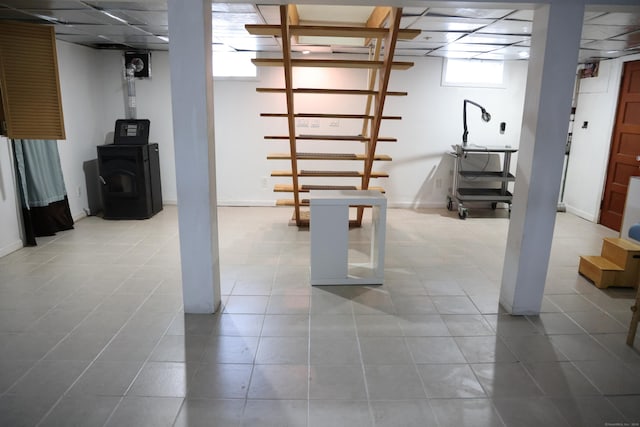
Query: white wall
{"x": 420, "y": 171}
{"x": 432, "y": 122}
{"x": 587, "y": 167}
{"x": 10, "y": 239}
{"x": 79, "y": 70}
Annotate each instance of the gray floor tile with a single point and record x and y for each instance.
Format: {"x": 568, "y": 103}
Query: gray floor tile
{"x": 454, "y": 305}
{"x": 282, "y": 325}
{"x": 282, "y": 351}
{"x": 629, "y": 406}
{"x": 383, "y": 325}
{"x": 529, "y": 412}
{"x": 275, "y": 413}
{"x": 49, "y": 378}
{"x": 463, "y": 412}
{"x": 238, "y": 325}
{"x": 450, "y": 381}
{"x": 560, "y": 379}
{"x": 487, "y": 349}
{"x": 222, "y": 381}
{"x": 163, "y": 379}
{"x": 610, "y": 378}
{"x": 230, "y": 349}
{"x": 337, "y": 382}
{"x": 427, "y": 350}
{"x": 465, "y": 325}
{"x": 24, "y": 411}
{"x": 178, "y": 348}
{"x": 533, "y": 348}
{"x": 334, "y": 351}
{"x": 393, "y": 382}
{"x": 11, "y": 371}
{"x": 279, "y": 382}
{"x": 202, "y": 412}
{"x": 106, "y": 378}
{"x": 592, "y": 411}
{"x": 506, "y": 380}
{"x": 406, "y": 413}
{"x": 81, "y": 411}
{"x": 423, "y": 325}
{"x": 145, "y": 412}
{"x": 384, "y": 351}
{"x": 324, "y": 413}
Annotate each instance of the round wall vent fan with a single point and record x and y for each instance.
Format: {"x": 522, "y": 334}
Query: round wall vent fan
{"x": 139, "y": 63}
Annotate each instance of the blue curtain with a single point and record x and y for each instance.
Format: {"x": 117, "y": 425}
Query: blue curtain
{"x": 40, "y": 172}
{"x": 45, "y": 207}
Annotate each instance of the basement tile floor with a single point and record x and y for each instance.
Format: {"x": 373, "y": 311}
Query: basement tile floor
{"x": 92, "y": 331}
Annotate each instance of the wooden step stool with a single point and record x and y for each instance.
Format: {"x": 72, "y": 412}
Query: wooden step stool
{"x": 618, "y": 264}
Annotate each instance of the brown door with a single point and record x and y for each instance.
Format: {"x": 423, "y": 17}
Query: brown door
{"x": 624, "y": 158}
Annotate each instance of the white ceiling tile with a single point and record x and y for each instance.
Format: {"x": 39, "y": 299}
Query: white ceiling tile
{"x": 271, "y": 14}
{"x": 606, "y": 45}
{"x": 522, "y": 15}
{"x": 411, "y": 52}
{"x": 521, "y": 51}
{"x": 508, "y": 26}
{"x": 470, "y": 47}
{"x": 470, "y": 13}
{"x": 144, "y": 18}
{"x": 127, "y": 5}
{"x": 440, "y": 36}
{"x": 419, "y": 45}
{"x": 71, "y": 16}
{"x": 439, "y": 23}
{"x": 493, "y": 39}
{"x": 601, "y": 32}
{"x": 234, "y": 7}
{"x": 616, "y": 18}
{"x": 106, "y": 30}
{"x": 492, "y": 56}
{"x": 452, "y": 54}
{"x": 413, "y": 11}
{"x": 43, "y": 4}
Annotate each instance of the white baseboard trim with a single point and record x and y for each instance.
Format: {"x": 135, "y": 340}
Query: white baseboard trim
{"x": 246, "y": 203}
{"x": 78, "y": 216}
{"x": 11, "y": 247}
{"x": 582, "y": 214}
{"x": 414, "y": 205}
{"x": 169, "y": 202}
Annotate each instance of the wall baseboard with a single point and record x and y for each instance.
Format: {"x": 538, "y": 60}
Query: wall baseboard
{"x": 11, "y": 247}
{"x": 582, "y": 214}
{"x": 246, "y": 203}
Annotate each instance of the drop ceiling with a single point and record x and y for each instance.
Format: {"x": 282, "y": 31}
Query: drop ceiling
{"x": 500, "y": 34}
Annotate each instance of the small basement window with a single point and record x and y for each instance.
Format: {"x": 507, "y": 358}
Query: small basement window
{"x": 473, "y": 73}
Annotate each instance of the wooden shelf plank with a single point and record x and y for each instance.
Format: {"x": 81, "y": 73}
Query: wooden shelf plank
{"x": 329, "y": 31}
{"x": 331, "y": 138}
{"x": 317, "y": 91}
{"x": 327, "y": 173}
{"x": 288, "y": 188}
{"x": 326, "y": 156}
{"x": 329, "y": 116}
{"x": 331, "y": 63}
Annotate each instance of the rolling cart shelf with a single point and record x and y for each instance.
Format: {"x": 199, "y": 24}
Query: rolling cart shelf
{"x": 459, "y": 195}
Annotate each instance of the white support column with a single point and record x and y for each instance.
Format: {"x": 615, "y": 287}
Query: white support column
{"x": 555, "y": 45}
{"x": 192, "y": 105}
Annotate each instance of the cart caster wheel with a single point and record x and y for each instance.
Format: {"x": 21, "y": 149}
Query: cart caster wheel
{"x": 450, "y": 205}
{"x": 494, "y": 205}
{"x": 463, "y": 214}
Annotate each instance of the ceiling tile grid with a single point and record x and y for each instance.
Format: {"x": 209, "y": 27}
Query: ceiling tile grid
{"x": 484, "y": 33}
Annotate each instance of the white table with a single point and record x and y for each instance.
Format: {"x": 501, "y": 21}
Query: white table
{"x": 329, "y": 229}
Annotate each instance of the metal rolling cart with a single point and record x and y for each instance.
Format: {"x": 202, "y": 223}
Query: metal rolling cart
{"x": 485, "y": 193}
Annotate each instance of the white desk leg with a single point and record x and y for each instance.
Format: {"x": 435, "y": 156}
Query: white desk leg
{"x": 379, "y": 221}
{"x": 329, "y": 243}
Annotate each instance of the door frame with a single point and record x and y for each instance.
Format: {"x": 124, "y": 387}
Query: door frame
{"x": 616, "y": 79}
